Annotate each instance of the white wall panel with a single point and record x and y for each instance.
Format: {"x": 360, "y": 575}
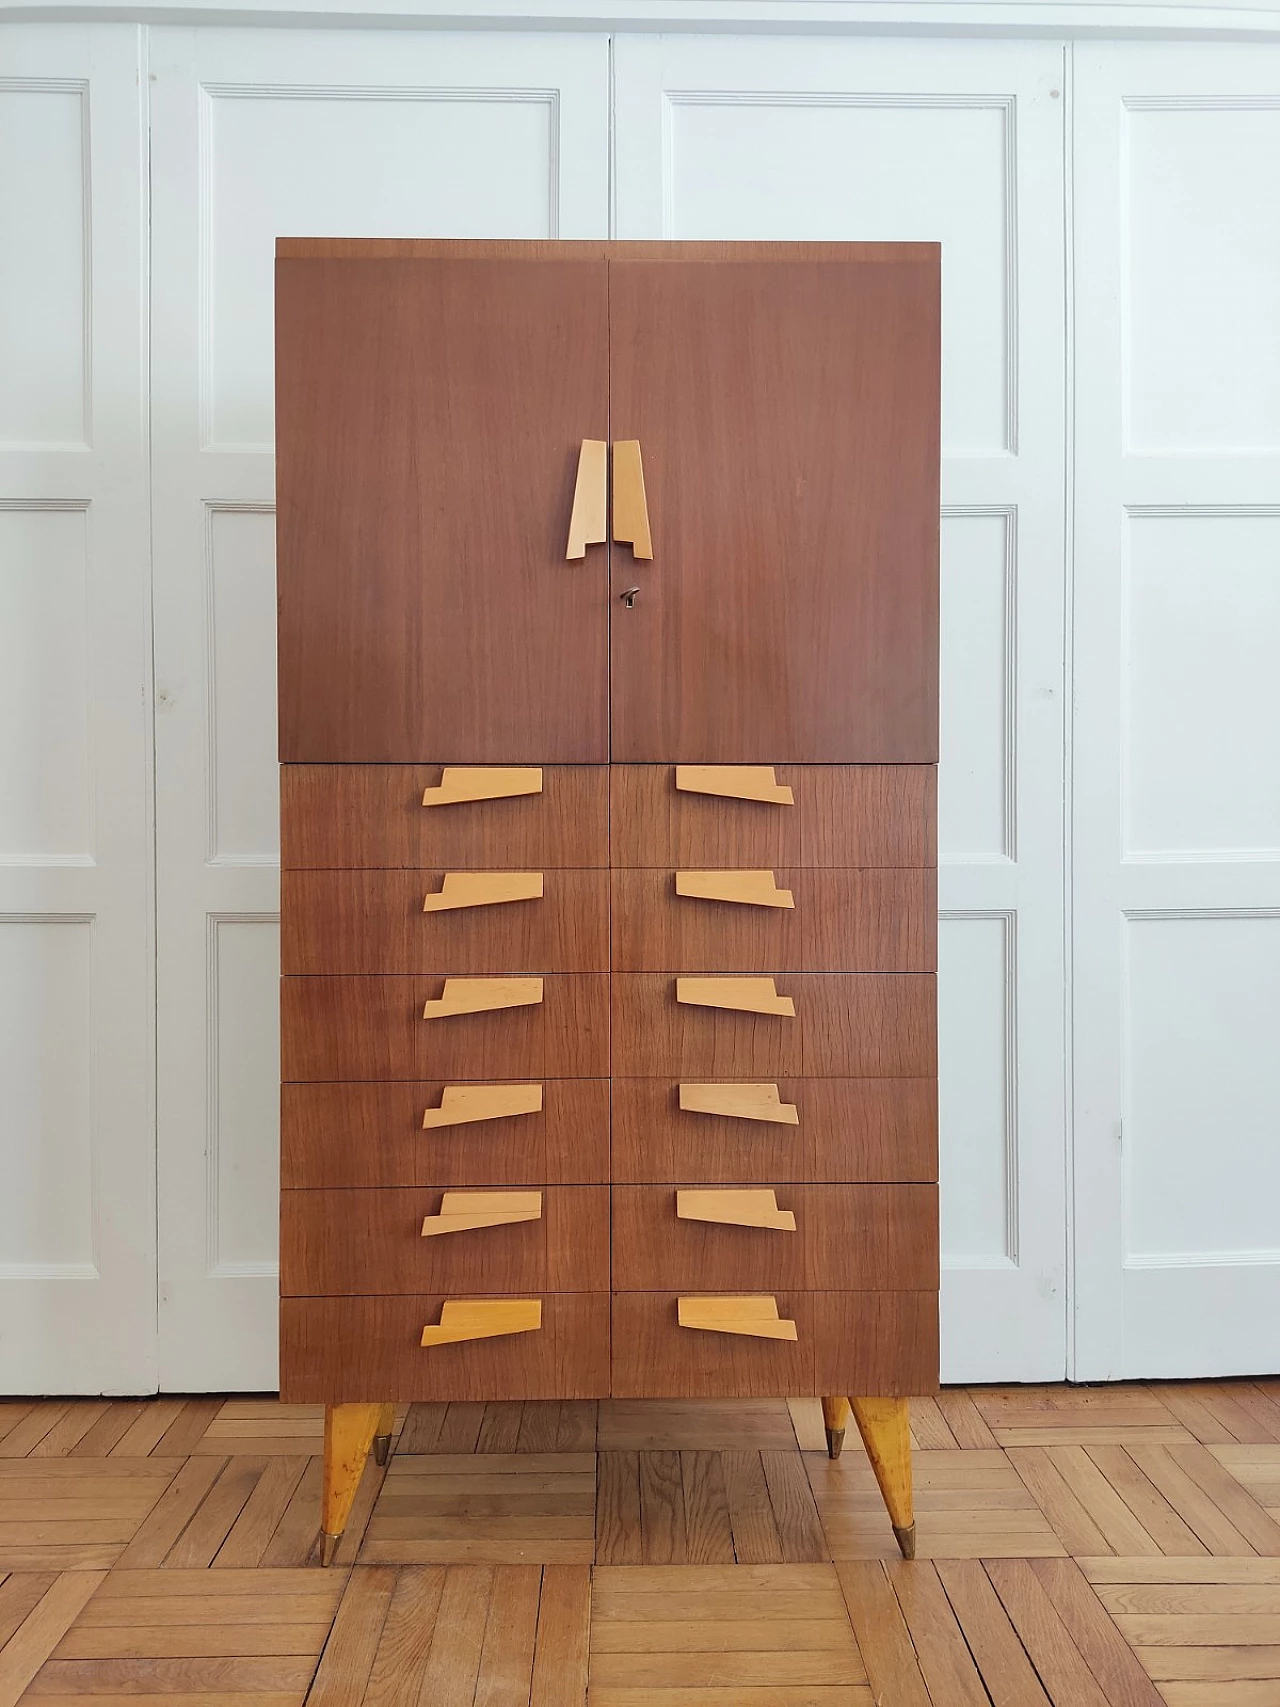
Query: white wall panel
{"x": 976, "y": 771}
{"x": 244, "y": 1090}
{"x": 243, "y": 824}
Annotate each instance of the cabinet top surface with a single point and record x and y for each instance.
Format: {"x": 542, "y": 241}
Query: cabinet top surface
{"x": 468, "y": 249}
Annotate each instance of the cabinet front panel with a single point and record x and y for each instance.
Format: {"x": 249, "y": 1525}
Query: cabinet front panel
{"x": 374, "y": 921}
{"x": 844, "y": 1026}
{"x": 877, "y": 1342}
{"x": 859, "y": 1237}
{"x": 429, "y": 421}
{"x": 372, "y": 1028}
{"x": 372, "y": 1135}
{"x": 841, "y": 921}
{"x": 350, "y": 1242}
{"x": 371, "y": 817}
{"x": 840, "y": 815}
{"x": 846, "y": 1129}
{"x": 788, "y": 418}
{"x": 340, "y": 1350}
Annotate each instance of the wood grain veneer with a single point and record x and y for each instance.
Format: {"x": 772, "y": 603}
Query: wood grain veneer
{"x": 372, "y": 1028}
{"x": 373, "y": 921}
{"x": 428, "y": 423}
{"x": 339, "y": 1350}
{"x": 845, "y": 1025}
{"x": 337, "y": 1243}
{"x": 353, "y": 817}
{"x": 589, "y": 249}
{"x": 781, "y": 486}
{"x": 844, "y": 815}
{"x": 372, "y": 1135}
{"x": 848, "y": 1129}
{"x": 842, "y": 921}
{"x": 859, "y": 1237}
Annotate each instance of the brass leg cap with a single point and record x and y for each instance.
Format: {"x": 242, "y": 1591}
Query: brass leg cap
{"x": 835, "y": 1441}
{"x": 906, "y": 1539}
{"x": 328, "y": 1547}
{"x": 381, "y": 1448}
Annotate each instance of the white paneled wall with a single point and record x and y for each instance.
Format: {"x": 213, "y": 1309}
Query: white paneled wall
{"x": 1111, "y": 525}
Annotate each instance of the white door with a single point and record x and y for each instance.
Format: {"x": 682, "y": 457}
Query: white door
{"x": 962, "y": 143}
{"x": 259, "y": 134}
{"x": 77, "y": 1207}
{"x": 1177, "y": 747}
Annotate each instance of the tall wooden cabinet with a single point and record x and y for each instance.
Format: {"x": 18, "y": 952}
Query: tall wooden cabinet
{"x": 608, "y": 725}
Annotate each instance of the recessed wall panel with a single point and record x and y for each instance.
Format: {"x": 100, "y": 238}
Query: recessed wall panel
{"x": 244, "y": 1135}
{"x": 974, "y": 775}
{"x": 976, "y": 1135}
{"x": 242, "y": 689}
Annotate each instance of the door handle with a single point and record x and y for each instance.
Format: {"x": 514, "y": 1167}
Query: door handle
{"x": 749, "y": 888}
{"x": 630, "y": 511}
{"x": 747, "y": 995}
{"x": 461, "y": 1105}
{"x": 590, "y": 494}
{"x": 464, "y": 782}
{"x": 734, "y": 1208}
{"x": 483, "y": 889}
{"x": 735, "y": 782}
{"x": 482, "y": 996}
{"x": 464, "y": 1211}
{"x": 756, "y": 1315}
{"x": 740, "y": 1102}
{"x": 483, "y": 1319}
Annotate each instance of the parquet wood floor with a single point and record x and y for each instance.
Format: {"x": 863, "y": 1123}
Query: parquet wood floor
{"x": 1079, "y": 1547}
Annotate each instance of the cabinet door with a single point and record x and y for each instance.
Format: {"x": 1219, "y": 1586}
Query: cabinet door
{"x": 430, "y": 414}
{"x": 787, "y": 413}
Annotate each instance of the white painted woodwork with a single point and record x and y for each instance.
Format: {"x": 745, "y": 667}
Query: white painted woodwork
{"x": 1177, "y": 631}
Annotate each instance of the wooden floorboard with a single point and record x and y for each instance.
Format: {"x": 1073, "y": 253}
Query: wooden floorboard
{"x": 1077, "y": 1547}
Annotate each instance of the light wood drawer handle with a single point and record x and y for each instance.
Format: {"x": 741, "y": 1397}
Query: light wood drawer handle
{"x": 483, "y": 889}
{"x": 483, "y": 1319}
{"x": 756, "y": 1315}
{"x": 742, "y": 1102}
{"x": 482, "y": 996}
{"x": 630, "y": 511}
{"x": 747, "y": 995}
{"x": 463, "y": 1211}
{"x": 750, "y": 888}
{"x": 590, "y": 499}
{"x": 739, "y": 1208}
{"x": 735, "y": 782}
{"x": 462, "y": 1104}
{"x": 463, "y": 783}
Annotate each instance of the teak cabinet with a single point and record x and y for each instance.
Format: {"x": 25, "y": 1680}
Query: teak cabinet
{"x": 608, "y": 723}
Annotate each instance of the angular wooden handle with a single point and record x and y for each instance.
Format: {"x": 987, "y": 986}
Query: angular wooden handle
{"x": 741, "y": 1102}
{"x": 749, "y": 888}
{"x": 482, "y": 996}
{"x": 462, "y": 1104}
{"x": 483, "y": 1319}
{"x": 736, "y": 1208}
{"x": 590, "y": 498}
{"x": 459, "y": 783}
{"x": 463, "y": 1211}
{"x": 630, "y": 511}
{"x": 747, "y": 995}
{"x": 756, "y": 1315}
{"x": 483, "y": 889}
{"x": 735, "y": 782}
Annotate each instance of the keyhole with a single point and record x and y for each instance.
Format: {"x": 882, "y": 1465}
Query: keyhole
{"x": 629, "y": 597}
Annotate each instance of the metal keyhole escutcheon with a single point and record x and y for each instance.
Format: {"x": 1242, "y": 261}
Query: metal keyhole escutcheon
{"x": 629, "y": 596}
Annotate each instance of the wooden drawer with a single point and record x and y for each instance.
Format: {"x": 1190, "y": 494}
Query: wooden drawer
{"x": 372, "y": 816}
{"x": 372, "y": 1028}
{"x": 845, "y": 1237}
{"x": 845, "y": 1025}
{"x": 846, "y": 1342}
{"x": 842, "y": 815}
{"x": 336, "y": 1350}
{"x": 344, "y": 1243}
{"x": 372, "y": 1135}
{"x": 842, "y": 920}
{"x": 846, "y": 1129}
{"x": 374, "y": 921}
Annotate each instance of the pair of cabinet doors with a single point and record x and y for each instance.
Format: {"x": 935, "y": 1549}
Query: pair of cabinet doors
{"x": 432, "y": 401}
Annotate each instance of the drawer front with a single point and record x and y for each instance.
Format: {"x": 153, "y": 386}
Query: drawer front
{"x": 374, "y": 921}
{"x": 338, "y": 1350}
{"x": 372, "y": 816}
{"x": 372, "y": 1135}
{"x": 842, "y": 815}
{"x": 842, "y": 920}
{"x": 846, "y": 1129}
{"x": 348, "y": 1243}
{"x": 372, "y": 1028}
{"x": 845, "y": 1237}
{"x": 845, "y": 1025}
{"x": 846, "y": 1342}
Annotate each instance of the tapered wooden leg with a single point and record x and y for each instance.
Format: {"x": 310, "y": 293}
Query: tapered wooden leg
{"x": 885, "y": 1427}
{"x": 835, "y": 1419}
{"x": 382, "y": 1436}
{"x": 348, "y": 1434}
